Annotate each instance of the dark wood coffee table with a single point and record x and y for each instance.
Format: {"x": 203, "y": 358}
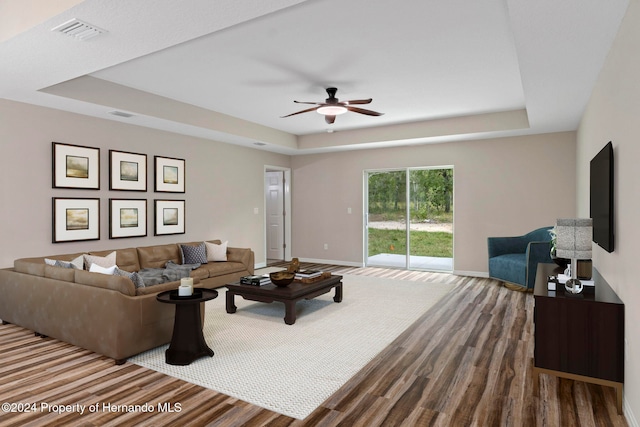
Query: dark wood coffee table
{"x": 290, "y": 295}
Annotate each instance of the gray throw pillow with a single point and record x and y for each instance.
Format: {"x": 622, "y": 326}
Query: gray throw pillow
{"x": 63, "y": 264}
{"x": 76, "y": 263}
{"x": 135, "y": 277}
{"x": 194, "y": 254}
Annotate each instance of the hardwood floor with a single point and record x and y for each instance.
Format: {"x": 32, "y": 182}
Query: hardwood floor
{"x": 466, "y": 362}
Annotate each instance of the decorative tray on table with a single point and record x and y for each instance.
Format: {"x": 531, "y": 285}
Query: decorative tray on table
{"x": 197, "y": 293}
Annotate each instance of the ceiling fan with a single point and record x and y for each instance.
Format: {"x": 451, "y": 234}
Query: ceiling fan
{"x": 333, "y": 107}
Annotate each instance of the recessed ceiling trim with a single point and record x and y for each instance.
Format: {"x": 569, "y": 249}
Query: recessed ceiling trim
{"x": 78, "y": 29}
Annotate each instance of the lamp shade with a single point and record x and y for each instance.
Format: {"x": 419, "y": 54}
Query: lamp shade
{"x": 573, "y": 238}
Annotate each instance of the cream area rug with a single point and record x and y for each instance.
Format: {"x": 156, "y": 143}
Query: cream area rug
{"x": 292, "y": 369}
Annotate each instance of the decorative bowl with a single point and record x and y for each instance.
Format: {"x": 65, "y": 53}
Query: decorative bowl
{"x": 282, "y": 278}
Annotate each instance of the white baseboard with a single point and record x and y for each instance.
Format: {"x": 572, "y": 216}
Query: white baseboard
{"x": 483, "y": 274}
{"x": 331, "y": 261}
{"x": 259, "y": 265}
{"x": 629, "y": 415}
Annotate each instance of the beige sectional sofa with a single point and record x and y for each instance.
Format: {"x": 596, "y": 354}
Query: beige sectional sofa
{"x": 103, "y": 313}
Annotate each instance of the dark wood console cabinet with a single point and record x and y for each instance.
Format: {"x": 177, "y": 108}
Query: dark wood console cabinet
{"x": 579, "y": 337}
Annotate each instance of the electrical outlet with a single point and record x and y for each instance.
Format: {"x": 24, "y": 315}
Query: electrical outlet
{"x": 326, "y": 246}
{"x": 349, "y": 211}
{"x": 256, "y": 211}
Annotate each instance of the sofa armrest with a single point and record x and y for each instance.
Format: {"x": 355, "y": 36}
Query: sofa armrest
{"x": 122, "y": 284}
{"x": 245, "y": 256}
{"x": 536, "y": 252}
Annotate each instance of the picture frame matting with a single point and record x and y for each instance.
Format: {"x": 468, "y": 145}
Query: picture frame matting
{"x": 169, "y": 217}
{"x": 127, "y": 171}
{"x": 75, "y": 166}
{"x": 75, "y": 219}
{"x": 127, "y": 218}
{"x": 169, "y": 175}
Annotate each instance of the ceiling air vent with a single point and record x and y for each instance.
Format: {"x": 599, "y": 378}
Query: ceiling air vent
{"x": 78, "y": 29}
{"x": 121, "y": 114}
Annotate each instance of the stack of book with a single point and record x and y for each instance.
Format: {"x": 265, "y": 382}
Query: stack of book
{"x": 255, "y": 280}
{"x": 308, "y": 274}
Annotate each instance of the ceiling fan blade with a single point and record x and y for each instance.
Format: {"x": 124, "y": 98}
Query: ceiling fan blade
{"x": 358, "y": 101}
{"x": 312, "y": 103}
{"x": 329, "y": 119}
{"x": 300, "y": 112}
{"x": 363, "y": 111}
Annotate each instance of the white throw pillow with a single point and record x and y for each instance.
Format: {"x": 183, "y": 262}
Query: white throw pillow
{"x": 216, "y": 252}
{"x": 95, "y": 268}
{"x": 102, "y": 261}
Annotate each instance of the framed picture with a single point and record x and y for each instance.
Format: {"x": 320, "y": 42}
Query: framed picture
{"x": 75, "y": 219}
{"x": 127, "y": 171}
{"x": 127, "y": 218}
{"x": 169, "y": 217}
{"x": 75, "y": 166}
{"x": 169, "y": 175}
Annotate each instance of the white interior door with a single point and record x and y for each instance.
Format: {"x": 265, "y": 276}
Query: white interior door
{"x": 274, "y": 182}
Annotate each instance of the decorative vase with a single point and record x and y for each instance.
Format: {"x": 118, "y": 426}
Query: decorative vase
{"x": 573, "y": 285}
{"x": 294, "y": 267}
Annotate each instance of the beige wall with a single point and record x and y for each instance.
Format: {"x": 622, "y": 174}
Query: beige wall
{"x": 502, "y": 187}
{"x": 612, "y": 115}
{"x": 224, "y": 182}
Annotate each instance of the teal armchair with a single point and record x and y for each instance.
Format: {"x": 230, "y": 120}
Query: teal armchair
{"x": 515, "y": 259}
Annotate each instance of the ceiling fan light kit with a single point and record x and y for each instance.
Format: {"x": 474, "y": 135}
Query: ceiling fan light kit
{"x": 333, "y": 107}
{"x": 331, "y": 110}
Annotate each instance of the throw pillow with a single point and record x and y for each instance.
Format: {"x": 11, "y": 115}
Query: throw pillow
{"x": 76, "y": 263}
{"x": 216, "y": 252}
{"x": 194, "y": 254}
{"x": 106, "y": 261}
{"x": 63, "y": 264}
{"x": 135, "y": 277}
{"x": 95, "y": 268}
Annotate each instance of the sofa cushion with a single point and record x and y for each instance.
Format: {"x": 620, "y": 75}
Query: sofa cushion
{"x": 216, "y": 252}
{"x": 102, "y": 261}
{"x": 222, "y": 268}
{"x": 66, "y": 274}
{"x": 115, "y": 283}
{"x": 194, "y": 254}
{"x": 157, "y": 256}
{"x": 200, "y": 272}
{"x": 33, "y": 266}
{"x": 126, "y": 259}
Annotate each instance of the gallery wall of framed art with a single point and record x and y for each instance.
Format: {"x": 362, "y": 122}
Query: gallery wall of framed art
{"x": 78, "y": 218}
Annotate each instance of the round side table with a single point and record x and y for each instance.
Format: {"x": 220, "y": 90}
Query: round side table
{"x": 187, "y": 342}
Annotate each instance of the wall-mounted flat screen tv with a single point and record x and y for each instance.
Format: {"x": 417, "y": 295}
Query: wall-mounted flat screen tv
{"x": 601, "y": 197}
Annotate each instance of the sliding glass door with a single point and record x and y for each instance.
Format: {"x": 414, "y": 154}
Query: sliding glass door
{"x": 386, "y": 228}
{"x": 409, "y": 220}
